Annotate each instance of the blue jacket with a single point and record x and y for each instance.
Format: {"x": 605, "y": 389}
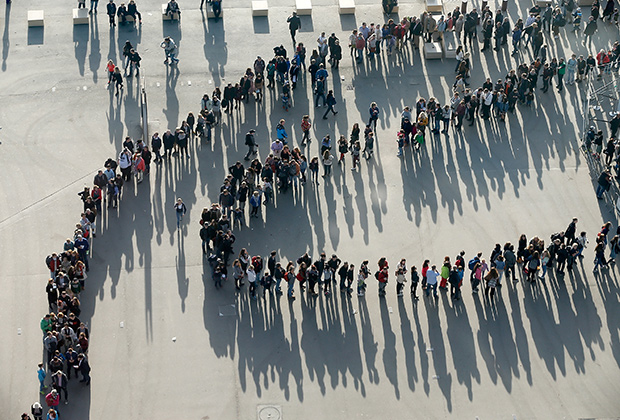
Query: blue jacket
{"x": 82, "y": 245}
{"x": 42, "y": 374}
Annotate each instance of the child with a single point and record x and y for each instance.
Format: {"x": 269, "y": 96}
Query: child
{"x": 41, "y": 374}
{"x": 361, "y": 283}
{"x": 400, "y": 141}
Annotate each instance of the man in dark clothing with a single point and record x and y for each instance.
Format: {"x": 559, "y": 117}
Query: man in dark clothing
{"x": 604, "y": 182}
{"x": 111, "y": 9}
{"x": 250, "y": 141}
{"x": 589, "y": 30}
{"x": 229, "y": 96}
{"x": 237, "y": 171}
{"x": 168, "y": 143}
{"x": 614, "y": 124}
{"x": 569, "y": 234}
{"x": 294, "y": 23}
{"x": 271, "y": 263}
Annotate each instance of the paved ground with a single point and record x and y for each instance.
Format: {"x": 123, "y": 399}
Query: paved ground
{"x": 187, "y": 350}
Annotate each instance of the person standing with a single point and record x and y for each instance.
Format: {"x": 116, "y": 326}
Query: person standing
{"x": 111, "y": 9}
{"x": 328, "y": 160}
{"x": 431, "y": 281}
{"x": 180, "y": 210}
{"x": 84, "y": 368}
{"x": 41, "y": 375}
{"x": 53, "y": 400}
{"x": 561, "y": 71}
{"x": 294, "y": 24}
{"x": 82, "y": 246}
{"x": 59, "y": 382}
{"x": 93, "y": 6}
{"x": 374, "y": 115}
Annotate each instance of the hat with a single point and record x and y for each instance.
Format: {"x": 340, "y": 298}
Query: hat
{"x": 54, "y": 392}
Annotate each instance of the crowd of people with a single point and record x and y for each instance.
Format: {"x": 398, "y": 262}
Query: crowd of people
{"x": 65, "y": 336}
{"x": 533, "y": 258}
{"x": 285, "y": 166}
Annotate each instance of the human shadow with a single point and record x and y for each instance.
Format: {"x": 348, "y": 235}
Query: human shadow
{"x": 215, "y": 48}
{"x": 6, "y": 43}
{"x": 94, "y": 58}
{"x": 80, "y": 45}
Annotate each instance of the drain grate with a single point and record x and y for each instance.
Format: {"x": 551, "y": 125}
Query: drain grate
{"x": 269, "y": 412}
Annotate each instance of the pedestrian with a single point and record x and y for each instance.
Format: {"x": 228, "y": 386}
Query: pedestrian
{"x": 374, "y": 115}
{"x": 170, "y": 49}
{"x": 118, "y": 80}
{"x": 37, "y": 411}
{"x": 180, "y": 210}
{"x": 305, "y": 129}
{"x": 84, "y": 368}
{"x": 255, "y": 201}
{"x": 59, "y": 382}
{"x": 250, "y": 141}
{"x": 604, "y": 183}
{"x": 294, "y": 24}
{"x": 41, "y": 375}
{"x": 328, "y": 160}
{"x": 330, "y": 101}
{"x": 431, "y": 280}
{"x": 111, "y": 10}
{"x": 589, "y": 30}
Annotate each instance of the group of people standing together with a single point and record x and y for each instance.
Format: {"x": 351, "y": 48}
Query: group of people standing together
{"x": 65, "y": 336}
{"x": 529, "y": 259}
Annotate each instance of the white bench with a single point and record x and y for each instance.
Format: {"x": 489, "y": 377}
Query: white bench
{"x": 36, "y": 18}
{"x": 346, "y": 7}
{"x": 165, "y": 16}
{"x": 211, "y": 15}
{"x": 434, "y": 6}
{"x": 260, "y": 8}
{"x": 303, "y": 7}
{"x": 80, "y": 16}
{"x": 432, "y": 50}
{"x": 450, "y": 44}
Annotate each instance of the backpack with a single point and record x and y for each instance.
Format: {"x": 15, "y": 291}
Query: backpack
{"x": 377, "y": 275}
{"x": 249, "y": 141}
{"x": 472, "y": 263}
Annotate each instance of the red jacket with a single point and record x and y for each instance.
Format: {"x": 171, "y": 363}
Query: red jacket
{"x": 383, "y": 276}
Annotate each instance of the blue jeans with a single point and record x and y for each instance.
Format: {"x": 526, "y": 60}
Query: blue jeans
{"x": 544, "y": 270}
{"x": 319, "y": 95}
{"x": 429, "y": 287}
{"x": 171, "y": 56}
{"x": 278, "y": 281}
{"x": 289, "y": 289}
{"x": 179, "y": 218}
{"x": 93, "y": 5}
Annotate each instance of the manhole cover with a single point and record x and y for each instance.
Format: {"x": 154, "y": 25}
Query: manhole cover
{"x": 269, "y": 412}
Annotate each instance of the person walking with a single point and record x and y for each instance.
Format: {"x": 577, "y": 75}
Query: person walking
{"x": 180, "y": 210}
{"x": 294, "y": 24}
{"x": 589, "y": 30}
{"x": 330, "y": 102}
{"x": 561, "y": 71}
{"x": 374, "y": 115}
{"x": 170, "y": 49}
{"x": 250, "y": 141}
